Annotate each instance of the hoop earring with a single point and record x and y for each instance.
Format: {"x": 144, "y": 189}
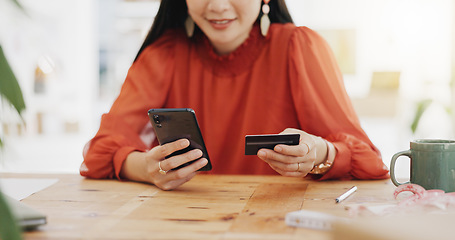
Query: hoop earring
{"x": 189, "y": 26}
{"x": 265, "y": 20}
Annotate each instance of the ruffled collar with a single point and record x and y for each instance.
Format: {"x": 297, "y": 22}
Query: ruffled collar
{"x": 235, "y": 62}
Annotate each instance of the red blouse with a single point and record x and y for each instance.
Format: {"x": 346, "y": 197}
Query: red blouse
{"x": 287, "y": 79}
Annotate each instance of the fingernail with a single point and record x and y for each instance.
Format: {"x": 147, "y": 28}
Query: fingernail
{"x": 184, "y": 143}
{"x": 261, "y": 153}
{"x": 278, "y": 149}
{"x": 205, "y": 161}
{"x": 197, "y": 154}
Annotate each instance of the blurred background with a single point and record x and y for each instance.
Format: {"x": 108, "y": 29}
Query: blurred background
{"x": 71, "y": 58}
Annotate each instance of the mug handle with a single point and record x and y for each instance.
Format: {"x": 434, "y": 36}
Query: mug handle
{"x": 392, "y": 166}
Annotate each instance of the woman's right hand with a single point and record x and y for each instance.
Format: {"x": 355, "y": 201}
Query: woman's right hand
{"x": 145, "y": 166}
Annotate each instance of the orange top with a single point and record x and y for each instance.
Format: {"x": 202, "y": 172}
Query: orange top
{"x": 288, "y": 79}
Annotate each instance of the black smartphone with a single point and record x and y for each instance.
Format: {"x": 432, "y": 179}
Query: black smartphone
{"x": 171, "y": 124}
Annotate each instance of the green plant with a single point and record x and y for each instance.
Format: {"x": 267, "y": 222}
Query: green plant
{"x": 8, "y": 227}
{"x": 11, "y": 92}
{"x": 421, "y": 107}
{"x": 9, "y": 87}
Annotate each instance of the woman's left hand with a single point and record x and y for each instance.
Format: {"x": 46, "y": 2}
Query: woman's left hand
{"x": 297, "y": 160}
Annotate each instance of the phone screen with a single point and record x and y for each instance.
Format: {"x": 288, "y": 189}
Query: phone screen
{"x": 171, "y": 124}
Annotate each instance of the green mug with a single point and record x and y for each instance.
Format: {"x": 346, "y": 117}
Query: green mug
{"x": 432, "y": 164}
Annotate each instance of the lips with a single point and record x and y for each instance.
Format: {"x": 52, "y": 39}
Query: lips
{"x": 221, "y": 23}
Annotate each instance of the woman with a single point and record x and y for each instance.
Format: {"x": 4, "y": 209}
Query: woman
{"x": 241, "y": 75}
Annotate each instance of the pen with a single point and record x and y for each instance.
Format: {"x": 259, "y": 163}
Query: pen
{"x": 346, "y": 194}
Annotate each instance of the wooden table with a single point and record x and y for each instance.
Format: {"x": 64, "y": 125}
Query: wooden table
{"x": 207, "y": 207}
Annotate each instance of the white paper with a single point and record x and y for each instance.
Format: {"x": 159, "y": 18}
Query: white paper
{"x": 312, "y": 219}
{"x": 20, "y": 188}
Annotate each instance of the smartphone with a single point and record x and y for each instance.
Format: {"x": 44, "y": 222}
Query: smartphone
{"x": 171, "y": 124}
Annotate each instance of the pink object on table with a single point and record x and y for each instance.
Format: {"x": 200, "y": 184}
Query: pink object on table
{"x": 422, "y": 201}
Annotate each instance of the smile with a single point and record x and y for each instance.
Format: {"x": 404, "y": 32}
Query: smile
{"x": 221, "y": 24}
{"x": 220, "y": 21}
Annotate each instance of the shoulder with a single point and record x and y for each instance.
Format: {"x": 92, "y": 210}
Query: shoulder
{"x": 295, "y": 35}
{"x": 296, "y": 39}
{"x": 280, "y": 29}
{"x": 158, "y": 58}
{"x": 308, "y": 37}
{"x": 164, "y": 46}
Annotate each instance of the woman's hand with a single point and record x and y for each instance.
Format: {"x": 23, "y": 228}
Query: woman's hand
{"x": 145, "y": 167}
{"x": 297, "y": 160}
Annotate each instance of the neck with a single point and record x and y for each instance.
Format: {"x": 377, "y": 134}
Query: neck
{"x": 225, "y": 48}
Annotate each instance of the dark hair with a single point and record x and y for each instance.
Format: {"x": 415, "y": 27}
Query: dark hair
{"x": 173, "y": 13}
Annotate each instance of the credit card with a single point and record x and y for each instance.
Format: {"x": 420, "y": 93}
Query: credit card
{"x": 255, "y": 142}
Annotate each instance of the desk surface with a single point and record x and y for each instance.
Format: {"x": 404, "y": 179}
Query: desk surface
{"x": 207, "y": 207}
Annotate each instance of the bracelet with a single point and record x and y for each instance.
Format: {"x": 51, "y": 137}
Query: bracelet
{"x": 327, "y": 164}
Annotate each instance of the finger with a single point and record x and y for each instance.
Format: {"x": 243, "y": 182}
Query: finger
{"x": 302, "y": 167}
{"x": 270, "y": 155}
{"x": 178, "y": 160}
{"x": 300, "y": 152}
{"x": 283, "y": 167}
{"x": 294, "y": 174}
{"x": 188, "y": 170}
{"x": 289, "y": 174}
{"x": 306, "y": 140}
{"x": 168, "y": 148}
{"x": 178, "y": 177}
{"x": 169, "y": 185}
{"x": 291, "y": 131}
{"x": 295, "y": 150}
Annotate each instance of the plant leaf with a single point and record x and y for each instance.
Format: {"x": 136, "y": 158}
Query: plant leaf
{"x": 421, "y": 107}
{"x": 18, "y": 5}
{"x": 8, "y": 226}
{"x": 9, "y": 87}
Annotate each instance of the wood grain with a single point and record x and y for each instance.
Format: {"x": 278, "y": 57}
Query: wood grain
{"x": 207, "y": 207}
{"x": 267, "y": 207}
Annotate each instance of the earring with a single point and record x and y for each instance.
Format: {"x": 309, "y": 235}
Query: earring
{"x": 189, "y": 26}
{"x": 265, "y": 20}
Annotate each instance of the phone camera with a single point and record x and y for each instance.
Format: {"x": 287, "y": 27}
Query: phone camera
{"x": 156, "y": 118}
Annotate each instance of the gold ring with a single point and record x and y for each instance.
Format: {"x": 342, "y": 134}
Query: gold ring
{"x": 298, "y": 167}
{"x": 161, "y": 170}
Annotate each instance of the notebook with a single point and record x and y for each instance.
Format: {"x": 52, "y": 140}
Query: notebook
{"x": 27, "y": 217}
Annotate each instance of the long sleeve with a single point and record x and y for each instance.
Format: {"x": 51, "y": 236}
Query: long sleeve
{"x": 288, "y": 79}
{"x": 146, "y": 85}
{"x": 324, "y": 108}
